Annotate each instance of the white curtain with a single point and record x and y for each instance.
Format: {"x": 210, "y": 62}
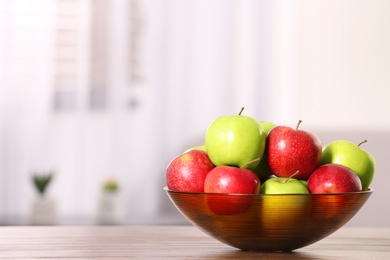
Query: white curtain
{"x": 199, "y": 60}
{"x": 24, "y": 96}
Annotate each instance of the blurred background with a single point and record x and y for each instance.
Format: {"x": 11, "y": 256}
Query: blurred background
{"x": 104, "y": 93}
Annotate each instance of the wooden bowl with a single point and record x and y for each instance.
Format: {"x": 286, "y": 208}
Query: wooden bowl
{"x": 268, "y": 222}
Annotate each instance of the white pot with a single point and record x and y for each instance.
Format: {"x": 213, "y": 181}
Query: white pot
{"x": 110, "y": 209}
{"x": 43, "y": 211}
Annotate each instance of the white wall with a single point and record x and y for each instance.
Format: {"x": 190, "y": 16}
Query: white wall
{"x": 324, "y": 62}
{"x": 342, "y": 90}
{"x": 346, "y": 61}
{"x": 345, "y": 89}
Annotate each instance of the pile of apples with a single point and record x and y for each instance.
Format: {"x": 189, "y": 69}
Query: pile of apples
{"x": 242, "y": 155}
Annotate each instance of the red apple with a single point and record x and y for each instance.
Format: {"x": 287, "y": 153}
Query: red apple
{"x": 188, "y": 171}
{"x": 334, "y": 178}
{"x": 290, "y": 150}
{"x": 231, "y": 180}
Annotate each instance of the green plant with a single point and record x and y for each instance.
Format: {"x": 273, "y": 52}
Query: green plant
{"x": 41, "y": 181}
{"x": 110, "y": 185}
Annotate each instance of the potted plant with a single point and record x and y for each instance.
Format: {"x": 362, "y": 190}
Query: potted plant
{"x": 43, "y": 208}
{"x": 110, "y": 208}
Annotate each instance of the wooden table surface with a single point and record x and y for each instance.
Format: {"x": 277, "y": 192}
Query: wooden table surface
{"x": 173, "y": 242}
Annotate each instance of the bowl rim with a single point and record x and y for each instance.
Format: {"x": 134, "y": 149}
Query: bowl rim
{"x": 369, "y": 191}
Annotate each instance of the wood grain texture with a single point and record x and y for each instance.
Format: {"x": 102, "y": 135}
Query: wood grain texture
{"x": 173, "y": 242}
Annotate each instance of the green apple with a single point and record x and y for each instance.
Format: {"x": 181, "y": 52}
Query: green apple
{"x": 352, "y": 156}
{"x": 282, "y": 185}
{"x": 267, "y": 126}
{"x": 289, "y": 201}
{"x": 199, "y": 147}
{"x": 304, "y": 182}
{"x": 263, "y": 170}
{"x": 235, "y": 140}
{"x": 281, "y": 212}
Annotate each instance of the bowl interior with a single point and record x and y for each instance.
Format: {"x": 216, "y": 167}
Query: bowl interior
{"x": 268, "y": 222}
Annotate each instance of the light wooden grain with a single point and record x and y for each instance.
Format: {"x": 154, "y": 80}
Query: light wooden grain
{"x": 173, "y": 242}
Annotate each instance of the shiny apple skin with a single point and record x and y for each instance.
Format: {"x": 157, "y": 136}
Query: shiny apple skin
{"x": 231, "y": 180}
{"x": 188, "y": 171}
{"x": 333, "y": 178}
{"x": 290, "y": 150}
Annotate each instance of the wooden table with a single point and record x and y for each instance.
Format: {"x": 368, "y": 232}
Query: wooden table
{"x": 173, "y": 242}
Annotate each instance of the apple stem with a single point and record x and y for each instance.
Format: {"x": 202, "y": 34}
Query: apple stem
{"x": 362, "y": 142}
{"x": 242, "y": 109}
{"x": 292, "y": 175}
{"x": 299, "y": 123}
{"x": 250, "y": 162}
